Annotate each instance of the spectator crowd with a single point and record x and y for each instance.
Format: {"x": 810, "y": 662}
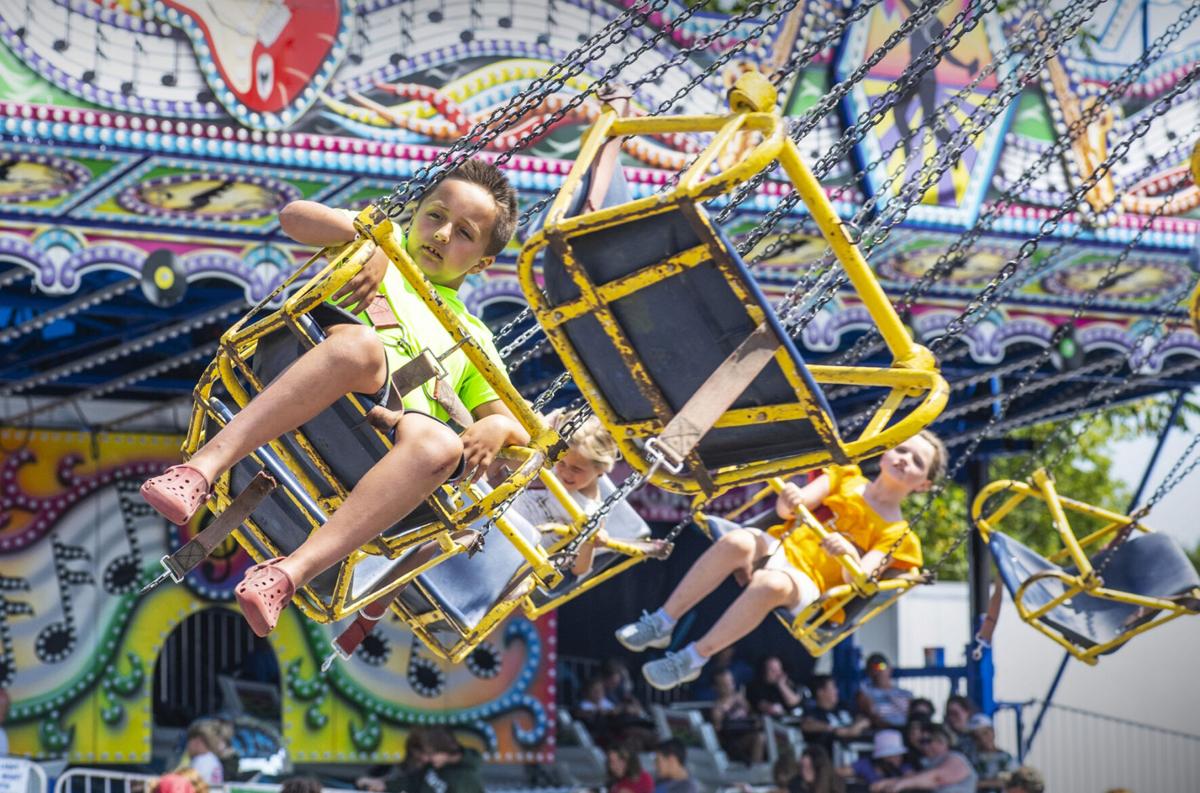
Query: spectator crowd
{"x": 884, "y": 740}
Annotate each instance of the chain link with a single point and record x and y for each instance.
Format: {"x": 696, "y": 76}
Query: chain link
{"x": 1026, "y": 250}
{"x": 503, "y": 118}
{"x": 956, "y": 255}
{"x": 897, "y": 207}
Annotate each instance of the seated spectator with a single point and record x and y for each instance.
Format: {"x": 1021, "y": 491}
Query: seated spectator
{"x": 618, "y": 684}
{"x": 884, "y": 704}
{"x": 825, "y": 720}
{"x": 738, "y": 729}
{"x": 771, "y": 693}
{"x": 1025, "y": 780}
{"x": 670, "y": 768}
{"x": 301, "y": 784}
{"x": 817, "y": 774}
{"x": 625, "y": 774}
{"x": 916, "y": 729}
{"x": 201, "y": 752}
{"x": 702, "y": 689}
{"x": 946, "y": 771}
{"x": 434, "y": 762}
{"x": 628, "y": 721}
{"x": 887, "y": 760}
{"x": 593, "y": 708}
{"x": 219, "y": 734}
{"x": 921, "y": 708}
{"x": 959, "y": 710}
{"x": 992, "y": 764}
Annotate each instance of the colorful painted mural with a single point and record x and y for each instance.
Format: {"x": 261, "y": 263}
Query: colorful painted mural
{"x": 79, "y": 646}
{"x": 129, "y": 128}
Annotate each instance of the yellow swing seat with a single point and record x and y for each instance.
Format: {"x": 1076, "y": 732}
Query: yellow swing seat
{"x": 1089, "y": 603}
{"x": 316, "y": 466}
{"x": 840, "y": 610}
{"x": 667, "y": 335}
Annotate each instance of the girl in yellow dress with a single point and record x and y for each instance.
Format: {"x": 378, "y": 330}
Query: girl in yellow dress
{"x": 792, "y": 569}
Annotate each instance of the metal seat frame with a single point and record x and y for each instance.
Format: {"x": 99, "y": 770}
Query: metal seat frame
{"x": 232, "y": 371}
{"x": 1086, "y": 580}
{"x": 913, "y": 373}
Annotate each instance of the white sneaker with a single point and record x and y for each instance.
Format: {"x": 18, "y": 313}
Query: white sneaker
{"x": 637, "y": 636}
{"x": 673, "y": 670}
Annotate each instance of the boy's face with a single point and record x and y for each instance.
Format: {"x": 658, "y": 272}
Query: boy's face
{"x": 451, "y": 230}
{"x": 908, "y": 464}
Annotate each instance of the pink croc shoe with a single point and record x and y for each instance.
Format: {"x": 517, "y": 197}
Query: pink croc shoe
{"x": 177, "y": 493}
{"x": 264, "y": 592}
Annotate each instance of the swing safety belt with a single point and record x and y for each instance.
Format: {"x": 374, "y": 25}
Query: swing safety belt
{"x": 425, "y": 366}
{"x": 197, "y": 549}
{"x": 718, "y": 393}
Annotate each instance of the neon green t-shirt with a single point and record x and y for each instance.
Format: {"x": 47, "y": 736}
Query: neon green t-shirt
{"x": 419, "y": 329}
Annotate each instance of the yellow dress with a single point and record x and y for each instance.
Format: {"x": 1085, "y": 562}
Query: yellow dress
{"x": 854, "y": 519}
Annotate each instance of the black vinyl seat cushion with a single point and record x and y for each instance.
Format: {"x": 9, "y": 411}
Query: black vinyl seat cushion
{"x": 467, "y": 586}
{"x": 682, "y": 328}
{"x": 1151, "y": 565}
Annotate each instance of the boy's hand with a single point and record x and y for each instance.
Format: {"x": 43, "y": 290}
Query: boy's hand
{"x": 481, "y": 441}
{"x": 789, "y": 500}
{"x": 358, "y": 291}
{"x": 837, "y": 545}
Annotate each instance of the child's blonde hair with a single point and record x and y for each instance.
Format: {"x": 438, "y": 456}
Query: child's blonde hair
{"x": 937, "y": 466}
{"x": 591, "y": 440}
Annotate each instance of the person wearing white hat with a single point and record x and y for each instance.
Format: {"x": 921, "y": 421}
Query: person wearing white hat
{"x": 991, "y": 763}
{"x": 946, "y": 771}
{"x": 886, "y": 760}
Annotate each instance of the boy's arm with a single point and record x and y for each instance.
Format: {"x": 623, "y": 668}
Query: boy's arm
{"x": 312, "y": 223}
{"x": 494, "y": 427}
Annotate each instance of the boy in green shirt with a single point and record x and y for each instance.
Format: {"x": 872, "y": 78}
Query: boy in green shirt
{"x": 458, "y": 229}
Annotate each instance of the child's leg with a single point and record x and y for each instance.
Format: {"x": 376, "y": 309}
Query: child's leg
{"x": 424, "y": 455}
{"x": 767, "y": 590}
{"x": 737, "y": 550}
{"x": 350, "y": 359}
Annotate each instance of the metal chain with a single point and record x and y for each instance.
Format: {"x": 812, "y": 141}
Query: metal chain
{"x": 512, "y": 346}
{"x": 501, "y": 119}
{"x": 907, "y": 196}
{"x": 1119, "y": 151}
{"x": 956, "y": 255}
{"x": 896, "y": 208}
{"x": 544, "y": 398}
{"x": 928, "y": 59}
{"x": 704, "y": 74}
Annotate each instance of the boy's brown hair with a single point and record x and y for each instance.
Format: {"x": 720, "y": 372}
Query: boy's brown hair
{"x": 492, "y": 179}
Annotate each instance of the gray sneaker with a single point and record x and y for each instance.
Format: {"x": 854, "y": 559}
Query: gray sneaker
{"x": 637, "y": 636}
{"x": 666, "y": 673}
